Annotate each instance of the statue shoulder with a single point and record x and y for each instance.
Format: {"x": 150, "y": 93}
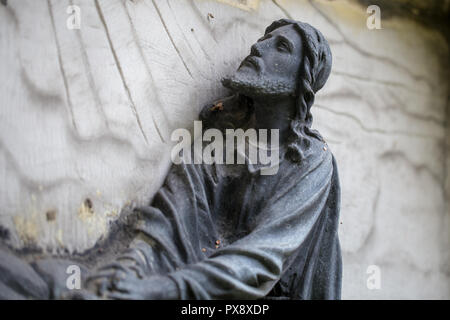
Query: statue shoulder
{"x": 228, "y": 112}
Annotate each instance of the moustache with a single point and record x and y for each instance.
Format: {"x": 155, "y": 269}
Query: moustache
{"x": 252, "y": 62}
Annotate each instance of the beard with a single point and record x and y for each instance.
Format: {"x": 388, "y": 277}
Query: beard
{"x": 259, "y": 86}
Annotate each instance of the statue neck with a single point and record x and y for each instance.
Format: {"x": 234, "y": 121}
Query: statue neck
{"x": 274, "y": 113}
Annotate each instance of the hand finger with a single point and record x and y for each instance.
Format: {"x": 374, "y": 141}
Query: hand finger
{"x": 119, "y": 296}
{"x": 79, "y": 295}
{"x": 122, "y": 285}
{"x": 138, "y": 271}
{"x": 99, "y": 283}
{"x": 114, "y": 266}
{"x": 98, "y": 276}
{"x": 103, "y": 286}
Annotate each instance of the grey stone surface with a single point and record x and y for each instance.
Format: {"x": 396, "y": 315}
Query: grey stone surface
{"x": 87, "y": 114}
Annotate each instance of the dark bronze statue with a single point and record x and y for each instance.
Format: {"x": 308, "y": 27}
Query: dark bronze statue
{"x": 220, "y": 231}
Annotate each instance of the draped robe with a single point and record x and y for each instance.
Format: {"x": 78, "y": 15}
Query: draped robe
{"x": 226, "y": 231}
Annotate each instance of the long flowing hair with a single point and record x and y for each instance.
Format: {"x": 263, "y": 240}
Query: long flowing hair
{"x": 314, "y": 71}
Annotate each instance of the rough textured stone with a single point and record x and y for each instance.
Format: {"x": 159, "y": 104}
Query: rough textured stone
{"x": 86, "y": 117}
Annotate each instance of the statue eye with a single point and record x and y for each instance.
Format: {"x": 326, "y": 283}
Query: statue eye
{"x": 282, "y": 45}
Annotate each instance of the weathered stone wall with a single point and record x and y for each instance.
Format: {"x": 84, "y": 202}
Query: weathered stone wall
{"x": 86, "y": 117}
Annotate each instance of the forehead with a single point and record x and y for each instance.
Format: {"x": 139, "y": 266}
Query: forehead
{"x": 289, "y": 32}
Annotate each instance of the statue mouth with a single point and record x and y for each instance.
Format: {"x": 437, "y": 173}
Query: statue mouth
{"x": 252, "y": 62}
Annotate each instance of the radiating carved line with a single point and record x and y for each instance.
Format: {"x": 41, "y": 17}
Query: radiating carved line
{"x": 202, "y": 19}
{"x": 105, "y": 138}
{"x": 396, "y": 154}
{"x": 396, "y": 106}
{"x": 282, "y": 9}
{"x": 46, "y": 98}
{"x": 370, "y": 235}
{"x": 363, "y": 52}
{"x": 371, "y": 130}
{"x": 238, "y": 20}
{"x": 88, "y": 72}
{"x": 183, "y": 34}
{"x": 201, "y": 48}
{"x": 399, "y": 105}
{"x": 401, "y": 260}
{"x": 446, "y": 158}
{"x": 157, "y": 129}
{"x": 29, "y": 183}
{"x": 144, "y": 61}
{"x": 356, "y": 47}
{"x": 12, "y": 14}
{"x": 119, "y": 68}
{"x": 181, "y": 29}
{"x": 379, "y": 81}
{"x": 61, "y": 67}
{"x": 171, "y": 39}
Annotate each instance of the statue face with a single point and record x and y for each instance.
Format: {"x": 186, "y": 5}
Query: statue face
{"x": 272, "y": 66}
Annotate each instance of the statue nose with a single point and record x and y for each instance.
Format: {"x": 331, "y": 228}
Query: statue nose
{"x": 255, "y": 51}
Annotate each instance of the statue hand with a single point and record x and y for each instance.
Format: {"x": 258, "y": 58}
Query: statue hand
{"x": 127, "y": 286}
{"x": 79, "y": 295}
{"x": 116, "y": 281}
{"x": 101, "y": 281}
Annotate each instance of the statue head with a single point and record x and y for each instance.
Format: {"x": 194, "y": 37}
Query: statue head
{"x": 293, "y": 60}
